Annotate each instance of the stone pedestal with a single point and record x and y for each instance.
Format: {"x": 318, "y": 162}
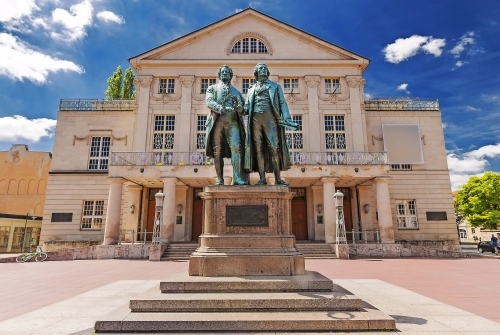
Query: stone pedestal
{"x": 236, "y": 240}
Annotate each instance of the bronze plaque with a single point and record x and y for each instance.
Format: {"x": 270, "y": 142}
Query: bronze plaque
{"x": 436, "y": 216}
{"x": 246, "y": 216}
{"x": 61, "y": 217}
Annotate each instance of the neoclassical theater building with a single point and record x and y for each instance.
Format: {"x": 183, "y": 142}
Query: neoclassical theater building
{"x": 387, "y": 156}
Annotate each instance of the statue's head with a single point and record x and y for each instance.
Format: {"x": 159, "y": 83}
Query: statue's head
{"x": 259, "y": 68}
{"x": 224, "y": 71}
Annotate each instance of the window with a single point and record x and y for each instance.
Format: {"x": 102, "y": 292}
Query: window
{"x": 92, "y": 214}
{"x": 290, "y": 86}
{"x": 99, "y": 153}
{"x": 163, "y": 137}
{"x": 247, "y": 83}
{"x": 400, "y": 166}
{"x": 332, "y": 86}
{"x": 473, "y": 230}
{"x": 294, "y": 139}
{"x": 406, "y": 212}
{"x": 200, "y": 132}
{"x": 166, "y": 86}
{"x": 205, "y": 83}
{"x": 249, "y": 45}
{"x": 335, "y": 133}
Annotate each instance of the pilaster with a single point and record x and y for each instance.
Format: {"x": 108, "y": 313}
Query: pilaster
{"x": 183, "y": 124}
{"x": 143, "y": 87}
{"x": 314, "y": 131}
{"x": 355, "y": 84}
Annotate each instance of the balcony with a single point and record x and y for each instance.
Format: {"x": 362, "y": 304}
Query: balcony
{"x": 403, "y": 104}
{"x": 199, "y": 158}
{"x": 96, "y": 105}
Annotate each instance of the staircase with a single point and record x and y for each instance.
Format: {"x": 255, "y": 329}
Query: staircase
{"x": 180, "y": 251}
{"x": 316, "y": 249}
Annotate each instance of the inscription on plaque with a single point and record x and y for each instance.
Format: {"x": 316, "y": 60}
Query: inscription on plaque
{"x": 61, "y": 217}
{"x": 246, "y": 216}
{"x": 436, "y": 216}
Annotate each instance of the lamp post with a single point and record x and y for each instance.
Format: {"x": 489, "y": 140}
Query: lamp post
{"x": 156, "y": 240}
{"x": 24, "y": 234}
{"x": 340, "y": 237}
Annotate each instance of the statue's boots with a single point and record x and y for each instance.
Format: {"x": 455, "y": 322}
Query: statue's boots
{"x": 237, "y": 171}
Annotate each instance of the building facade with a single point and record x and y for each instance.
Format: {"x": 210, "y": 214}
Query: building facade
{"x": 23, "y": 183}
{"x": 386, "y": 156}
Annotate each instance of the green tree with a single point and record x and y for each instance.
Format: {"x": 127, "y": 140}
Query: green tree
{"x": 128, "y": 88}
{"x": 120, "y": 87}
{"x": 479, "y": 201}
{"x": 114, "y": 84}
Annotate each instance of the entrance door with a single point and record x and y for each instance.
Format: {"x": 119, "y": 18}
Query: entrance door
{"x": 197, "y": 214}
{"x": 299, "y": 214}
{"x": 151, "y": 213}
{"x": 347, "y": 212}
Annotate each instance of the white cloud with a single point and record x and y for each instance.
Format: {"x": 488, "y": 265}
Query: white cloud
{"x": 472, "y": 109}
{"x": 108, "y": 16}
{"x": 435, "y": 46}
{"x": 444, "y": 125}
{"x": 73, "y": 22}
{"x": 491, "y": 97}
{"x": 403, "y": 87}
{"x": 237, "y": 10}
{"x": 12, "y": 10}
{"x": 472, "y": 163}
{"x": 368, "y": 96}
{"x": 18, "y": 60}
{"x": 468, "y": 38}
{"x": 460, "y": 63}
{"x": 404, "y": 48}
{"x": 17, "y": 127}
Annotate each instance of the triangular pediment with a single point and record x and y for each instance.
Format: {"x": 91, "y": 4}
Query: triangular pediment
{"x": 215, "y": 41}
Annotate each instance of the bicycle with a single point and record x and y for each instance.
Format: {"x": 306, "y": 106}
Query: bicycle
{"x": 39, "y": 256}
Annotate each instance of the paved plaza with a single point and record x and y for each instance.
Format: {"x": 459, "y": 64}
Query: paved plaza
{"x": 425, "y": 296}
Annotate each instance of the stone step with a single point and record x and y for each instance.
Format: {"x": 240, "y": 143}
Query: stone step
{"x": 316, "y": 250}
{"x": 363, "y": 320}
{"x": 245, "y": 302}
{"x": 179, "y": 251}
{"x": 310, "y": 281}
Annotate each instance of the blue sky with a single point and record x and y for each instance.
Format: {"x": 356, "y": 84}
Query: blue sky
{"x": 447, "y": 50}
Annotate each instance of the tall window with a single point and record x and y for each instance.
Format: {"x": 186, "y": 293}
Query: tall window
{"x": 332, "y": 86}
{"x": 166, "y": 86}
{"x": 205, "y": 83}
{"x": 249, "y": 45}
{"x": 406, "y": 212}
{"x": 294, "y": 139}
{"x": 92, "y": 214}
{"x": 247, "y": 82}
{"x": 200, "y": 132}
{"x": 335, "y": 133}
{"x": 290, "y": 85}
{"x": 163, "y": 137}
{"x": 99, "y": 153}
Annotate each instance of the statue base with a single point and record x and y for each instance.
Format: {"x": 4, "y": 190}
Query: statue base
{"x": 247, "y": 231}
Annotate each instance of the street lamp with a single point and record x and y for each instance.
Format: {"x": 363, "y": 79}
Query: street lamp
{"x": 159, "y": 197}
{"x": 25, "y": 224}
{"x": 339, "y": 220}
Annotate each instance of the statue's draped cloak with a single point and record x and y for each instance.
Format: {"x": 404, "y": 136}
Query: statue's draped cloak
{"x": 279, "y": 105}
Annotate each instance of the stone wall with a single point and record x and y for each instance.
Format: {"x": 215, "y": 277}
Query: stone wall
{"x": 49, "y": 246}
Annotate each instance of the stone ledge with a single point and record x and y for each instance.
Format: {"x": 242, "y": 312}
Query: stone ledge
{"x": 405, "y": 250}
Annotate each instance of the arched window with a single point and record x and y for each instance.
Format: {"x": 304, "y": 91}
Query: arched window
{"x": 249, "y": 45}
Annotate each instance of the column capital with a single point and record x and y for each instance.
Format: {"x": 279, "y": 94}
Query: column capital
{"x": 274, "y": 78}
{"x": 169, "y": 179}
{"x": 329, "y": 179}
{"x": 383, "y": 179}
{"x": 143, "y": 81}
{"x": 186, "y": 81}
{"x": 312, "y": 81}
{"x": 355, "y": 81}
{"x": 116, "y": 180}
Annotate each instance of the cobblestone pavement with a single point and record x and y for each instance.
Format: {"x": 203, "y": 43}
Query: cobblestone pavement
{"x": 425, "y": 296}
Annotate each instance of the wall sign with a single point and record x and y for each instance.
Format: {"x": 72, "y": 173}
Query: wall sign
{"x": 246, "y": 216}
{"x": 436, "y": 216}
{"x": 61, "y": 217}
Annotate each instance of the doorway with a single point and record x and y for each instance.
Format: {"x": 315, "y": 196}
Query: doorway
{"x": 347, "y": 212}
{"x": 299, "y": 214}
{"x": 197, "y": 214}
{"x": 151, "y": 213}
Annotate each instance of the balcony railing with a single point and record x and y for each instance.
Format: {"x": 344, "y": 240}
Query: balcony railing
{"x": 199, "y": 158}
{"x": 413, "y": 104}
{"x": 96, "y": 105}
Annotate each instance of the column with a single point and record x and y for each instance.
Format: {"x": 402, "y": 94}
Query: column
{"x": 142, "y": 84}
{"x": 169, "y": 210}
{"x": 355, "y": 84}
{"x": 384, "y": 210}
{"x": 183, "y": 124}
{"x": 113, "y": 214}
{"x": 313, "y": 140}
{"x": 364, "y": 192}
{"x": 329, "y": 208}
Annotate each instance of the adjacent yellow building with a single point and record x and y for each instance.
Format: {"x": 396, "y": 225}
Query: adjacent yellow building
{"x": 23, "y": 183}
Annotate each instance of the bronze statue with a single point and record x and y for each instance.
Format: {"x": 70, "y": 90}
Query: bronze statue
{"x": 225, "y": 133}
{"x": 266, "y": 149}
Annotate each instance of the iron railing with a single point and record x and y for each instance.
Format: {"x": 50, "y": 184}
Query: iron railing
{"x": 199, "y": 158}
{"x": 96, "y": 105}
{"x": 414, "y": 104}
